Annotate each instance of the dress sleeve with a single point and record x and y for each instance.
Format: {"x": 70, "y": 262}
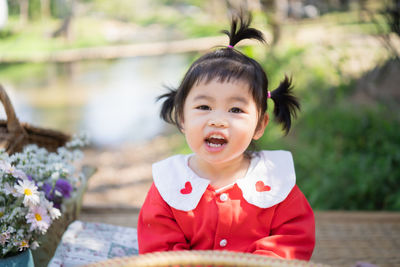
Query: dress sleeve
{"x": 292, "y": 234}
{"x": 157, "y": 228}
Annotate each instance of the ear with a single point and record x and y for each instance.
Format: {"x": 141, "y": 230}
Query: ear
{"x": 261, "y": 128}
{"x": 181, "y": 125}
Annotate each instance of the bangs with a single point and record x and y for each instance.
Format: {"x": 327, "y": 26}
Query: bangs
{"x": 222, "y": 70}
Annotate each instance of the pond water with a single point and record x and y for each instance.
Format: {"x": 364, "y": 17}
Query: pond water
{"x": 113, "y": 101}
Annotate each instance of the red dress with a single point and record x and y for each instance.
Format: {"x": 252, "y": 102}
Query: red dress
{"x": 262, "y": 213}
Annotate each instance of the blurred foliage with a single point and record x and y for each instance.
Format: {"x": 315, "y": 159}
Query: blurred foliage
{"x": 391, "y": 12}
{"x": 13, "y": 7}
{"x": 346, "y": 154}
{"x": 96, "y": 22}
{"x": 347, "y": 157}
{"x": 37, "y": 37}
{"x": 125, "y": 10}
{"x": 34, "y": 9}
{"x": 12, "y": 72}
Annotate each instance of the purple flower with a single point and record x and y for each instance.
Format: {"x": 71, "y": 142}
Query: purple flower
{"x": 64, "y": 187}
{"x": 47, "y": 191}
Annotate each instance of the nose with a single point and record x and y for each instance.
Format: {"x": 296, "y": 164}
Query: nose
{"x": 221, "y": 123}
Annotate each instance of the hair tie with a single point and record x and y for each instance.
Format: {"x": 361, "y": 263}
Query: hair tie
{"x": 230, "y": 46}
{"x": 269, "y": 94}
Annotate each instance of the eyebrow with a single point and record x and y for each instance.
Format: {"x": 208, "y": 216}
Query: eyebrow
{"x": 203, "y": 97}
{"x": 239, "y": 99}
{"x": 233, "y": 98}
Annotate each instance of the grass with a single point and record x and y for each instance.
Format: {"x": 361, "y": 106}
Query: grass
{"x": 347, "y": 157}
{"x": 13, "y": 72}
{"x": 36, "y": 38}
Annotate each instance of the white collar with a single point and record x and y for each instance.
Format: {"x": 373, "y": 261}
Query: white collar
{"x": 268, "y": 181}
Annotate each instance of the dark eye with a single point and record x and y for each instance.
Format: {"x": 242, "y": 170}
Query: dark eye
{"x": 203, "y": 107}
{"x": 235, "y": 110}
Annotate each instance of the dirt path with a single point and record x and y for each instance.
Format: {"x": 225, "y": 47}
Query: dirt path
{"x": 123, "y": 174}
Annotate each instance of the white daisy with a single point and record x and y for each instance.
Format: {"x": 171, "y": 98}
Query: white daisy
{"x": 7, "y": 168}
{"x": 23, "y": 244}
{"x": 34, "y": 245}
{"x": 29, "y": 190}
{"x": 10, "y": 190}
{"x": 38, "y": 218}
{"x": 53, "y": 212}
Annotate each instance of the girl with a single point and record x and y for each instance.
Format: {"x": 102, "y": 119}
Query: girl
{"x": 221, "y": 196}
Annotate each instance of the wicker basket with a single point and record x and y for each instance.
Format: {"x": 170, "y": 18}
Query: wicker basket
{"x": 199, "y": 258}
{"x": 15, "y": 135}
{"x": 50, "y": 240}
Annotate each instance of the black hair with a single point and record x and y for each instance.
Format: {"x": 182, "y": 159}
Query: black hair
{"x": 228, "y": 64}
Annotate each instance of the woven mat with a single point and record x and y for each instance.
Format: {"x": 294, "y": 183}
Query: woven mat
{"x": 345, "y": 238}
{"x": 200, "y": 258}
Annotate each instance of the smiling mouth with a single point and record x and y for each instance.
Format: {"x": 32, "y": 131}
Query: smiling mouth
{"x": 216, "y": 140}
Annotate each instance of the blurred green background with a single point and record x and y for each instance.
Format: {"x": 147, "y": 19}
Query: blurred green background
{"x": 343, "y": 57}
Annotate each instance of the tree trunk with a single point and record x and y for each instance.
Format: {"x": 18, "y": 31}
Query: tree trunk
{"x": 277, "y": 12}
{"x": 65, "y": 28}
{"x": 45, "y": 8}
{"x": 217, "y": 9}
{"x": 254, "y": 5}
{"x": 23, "y": 11}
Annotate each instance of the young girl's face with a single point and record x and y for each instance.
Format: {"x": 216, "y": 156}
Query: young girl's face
{"x": 220, "y": 120}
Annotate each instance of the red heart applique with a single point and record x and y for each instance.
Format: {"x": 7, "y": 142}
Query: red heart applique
{"x": 261, "y": 187}
{"x": 187, "y": 189}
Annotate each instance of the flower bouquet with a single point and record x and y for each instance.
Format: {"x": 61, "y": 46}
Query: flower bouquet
{"x": 34, "y": 186}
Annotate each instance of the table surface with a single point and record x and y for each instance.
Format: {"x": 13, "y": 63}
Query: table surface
{"x": 343, "y": 238}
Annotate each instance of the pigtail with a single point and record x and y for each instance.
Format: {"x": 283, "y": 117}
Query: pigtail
{"x": 286, "y": 104}
{"x": 167, "y": 112}
{"x": 244, "y": 31}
